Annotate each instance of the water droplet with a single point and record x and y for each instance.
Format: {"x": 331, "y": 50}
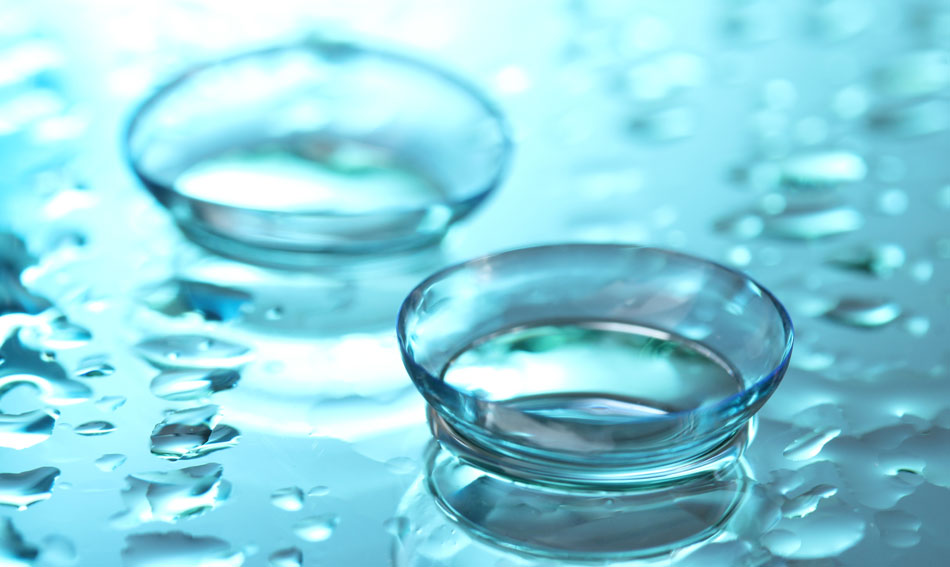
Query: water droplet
{"x": 94, "y": 428}
{"x": 110, "y": 403}
{"x": 917, "y": 326}
{"x": 898, "y": 528}
{"x": 876, "y": 259}
{"x": 913, "y": 74}
{"x": 318, "y": 491}
{"x": 193, "y": 351}
{"x": 110, "y": 461}
{"x": 809, "y": 222}
{"x": 317, "y": 528}
{"x": 402, "y": 465}
{"x": 24, "y": 489}
{"x": 192, "y": 433}
{"x": 182, "y": 385}
{"x": 25, "y": 366}
{"x": 893, "y": 202}
{"x": 821, "y": 169}
{"x": 169, "y": 496}
{"x": 289, "y": 557}
{"x": 743, "y": 225}
{"x": 807, "y": 502}
{"x": 94, "y": 367}
{"x": 27, "y": 429}
{"x": 665, "y": 125}
{"x": 216, "y": 303}
{"x": 822, "y": 534}
{"x": 782, "y": 543}
{"x": 739, "y": 256}
{"x": 274, "y": 313}
{"x": 56, "y": 551}
{"x": 178, "y": 548}
{"x": 864, "y": 312}
{"x": 911, "y": 120}
{"x": 922, "y": 271}
{"x": 290, "y": 498}
{"x": 58, "y": 334}
{"x": 14, "y": 551}
{"x": 808, "y": 446}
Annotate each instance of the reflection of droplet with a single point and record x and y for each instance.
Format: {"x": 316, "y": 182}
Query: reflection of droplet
{"x": 24, "y": 489}
{"x": 182, "y": 385}
{"x": 110, "y": 461}
{"x": 823, "y": 168}
{"x": 27, "y": 429}
{"x": 289, "y": 557}
{"x": 316, "y": 528}
{"x": 94, "y": 367}
{"x": 14, "y": 551}
{"x": 807, "y": 502}
{"x": 877, "y": 259}
{"x": 192, "y": 433}
{"x": 289, "y": 498}
{"x": 193, "y": 351}
{"x": 91, "y": 428}
{"x": 808, "y": 446}
{"x": 169, "y": 496}
{"x": 913, "y": 74}
{"x": 864, "y": 312}
{"x": 178, "y": 548}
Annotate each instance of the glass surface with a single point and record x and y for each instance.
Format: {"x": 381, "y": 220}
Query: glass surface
{"x": 803, "y": 143}
{"x": 594, "y": 363}
{"x": 278, "y": 155}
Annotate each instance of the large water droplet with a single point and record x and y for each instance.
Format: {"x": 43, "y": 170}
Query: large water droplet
{"x": 169, "y": 496}
{"x": 288, "y": 557}
{"x": 808, "y": 446}
{"x": 878, "y": 259}
{"x": 14, "y": 551}
{"x": 27, "y": 429}
{"x": 807, "y": 502}
{"x": 193, "y": 351}
{"x": 913, "y": 74}
{"x": 192, "y": 433}
{"x": 170, "y": 549}
{"x": 827, "y": 168}
{"x": 110, "y": 461}
{"x": 91, "y": 428}
{"x": 25, "y": 366}
{"x": 24, "y": 489}
{"x": 864, "y": 312}
{"x": 182, "y": 385}
{"x": 289, "y": 498}
{"x": 316, "y": 528}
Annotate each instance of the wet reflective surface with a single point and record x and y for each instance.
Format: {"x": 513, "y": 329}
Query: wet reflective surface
{"x": 160, "y": 405}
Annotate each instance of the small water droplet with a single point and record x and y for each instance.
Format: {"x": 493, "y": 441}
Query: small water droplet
{"x": 186, "y": 385}
{"x": 178, "y": 548}
{"x": 808, "y": 446}
{"x": 27, "y": 429}
{"x": 288, "y": 557}
{"x": 193, "y": 351}
{"x": 110, "y": 461}
{"x": 24, "y": 489}
{"x": 318, "y": 491}
{"x": 913, "y": 74}
{"x": 192, "y": 433}
{"x": 94, "y": 367}
{"x": 14, "y": 551}
{"x": 110, "y": 403}
{"x": 91, "y": 428}
{"x": 875, "y": 259}
{"x": 864, "y": 312}
{"x": 170, "y": 496}
{"x": 819, "y": 169}
{"x": 316, "y": 528}
{"x": 289, "y": 498}
{"x": 893, "y": 202}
